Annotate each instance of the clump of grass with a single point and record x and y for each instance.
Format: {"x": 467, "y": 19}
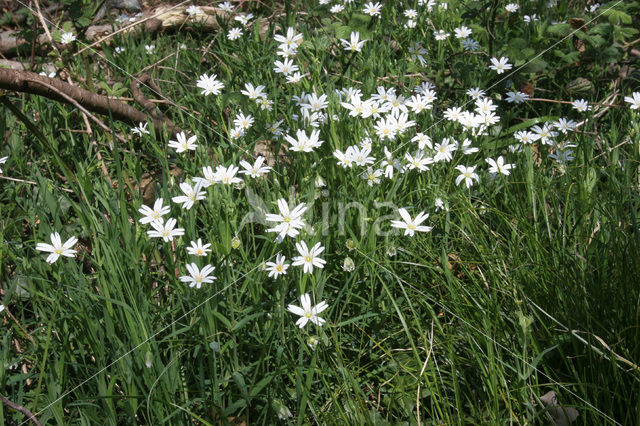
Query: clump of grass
{"x": 456, "y": 246}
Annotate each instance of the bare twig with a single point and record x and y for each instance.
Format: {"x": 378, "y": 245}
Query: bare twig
{"x": 43, "y": 22}
{"x": 20, "y": 408}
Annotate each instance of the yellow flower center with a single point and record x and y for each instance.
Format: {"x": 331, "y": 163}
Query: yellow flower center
{"x": 307, "y": 259}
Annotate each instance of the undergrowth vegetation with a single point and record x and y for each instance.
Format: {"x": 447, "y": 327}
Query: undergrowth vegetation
{"x": 408, "y": 212}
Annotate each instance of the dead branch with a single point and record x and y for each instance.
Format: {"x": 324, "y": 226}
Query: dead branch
{"x": 21, "y": 409}
{"x": 58, "y": 90}
{"x": 146, "y": 103}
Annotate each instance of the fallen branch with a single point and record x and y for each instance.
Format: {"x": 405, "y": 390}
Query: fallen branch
{"x": 58, "y": 90}
{"x": 20, "y": 408}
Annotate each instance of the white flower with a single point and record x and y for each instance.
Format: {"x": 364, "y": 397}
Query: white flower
{"x": 236, "y": 133}
{"x": 226, "y": 7}
{"x": 307, "y": 312}
{"x": 194, "y": 10}
{"x": 410, "y": 13}
{"x": 315, "y": 103}
{"x": 499, "y": 166}
{"x": 227, "y": 175}
{"x": 67, "y": 38}
{"x": 210, "y": 177}
{"x": 191, "y": 195}
{"x": 385, "y": 129}
{"x": 198, "y": 276}
{"x": 372, "y": 176}
{"x": 418, "y": 103}
{"x": 336, "y": 8}
{"x": 140, "y": 130}
{"x": 345, "y": 159}
{"x": 466, "y": 147}
{"x": 500, "y": 65}
{"x": 290, "y": 41}
{"x": 475, "y": 93}
{"x": 256, "y": 169}
{"x": 634, "y": 100}
{"x": 244, "y": 18}
{"x": 2, "y": 161}
{"x": 305, "y": 143}
{"x": 286, "y": 67}
{"x": 441, "y": 35}
{"x": 57, "y": 249}
{"x": 118, "y": 50}
{"x": 277, "y": 268}
{"x": 308, "y": 258}
{"x": 516, "y": 97}
{"x": 462, "y": 32}
{"x": 417, "y": 51}
{"x": 453, "y": 113}
{"x": 361, "y": 156}
{"x": 526, "y": 137}
{"x": 266, "y": 104}
{"x": 581, "y": 105}
{"x": 183, "y": 144}
{"x": 253, "y": 92}
{"x": 210, "y": 85}
{"x": 470, "y": 44}
{"x": 545, "y": 133}
{"x": 372, "y": 9}
{"x": 565, "y": 125}
{"x": 422, "y": 140}
{"x": 149, "y": 48}
{"x": 288, "y": 221}
{"x": 234, "y": 33}
{"x": 355, "y": 44}
{"x": 166, "y": 230}
{"x": 419, "y": 161}
{"x": 467, "y": 174}
{"x": 444, "y": 150}
{"x": 295, "y": 77}
{"x": 243, "y": 122}
{"x": 512, "y": 7}
{"x": 389, "y": 164}
{"x": 154, "y": 214}
{"x": 409, "y": 225}
{"x": 198, "y": 249}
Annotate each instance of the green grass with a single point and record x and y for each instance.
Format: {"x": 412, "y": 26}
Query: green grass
{"x": 511, "y": 295}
